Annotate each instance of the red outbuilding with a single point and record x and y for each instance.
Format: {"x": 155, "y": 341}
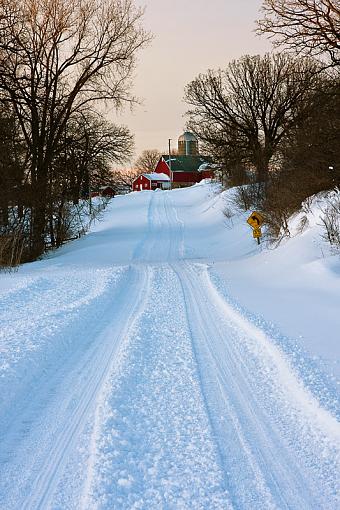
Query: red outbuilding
{"x": 151, "y": 181}
{"x": 107, "y": 191}
{"x": 103, "y": 191}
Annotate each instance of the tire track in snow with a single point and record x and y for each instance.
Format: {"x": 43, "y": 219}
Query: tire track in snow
{"x": 56, "y": 417}
{"x": 61, "y": 303}
{"x": 142, "y": 248}
{"x": 53, "y": 299}
{"x": 49, "y": 447}
{"x": 164, "y": 238}
{"x": 156, "y": 449}
{"x": 290, "y": 445}
{"x": 280, "y": 449}
{"x": 263, "y": 435}
{"x": 193, "y": 408}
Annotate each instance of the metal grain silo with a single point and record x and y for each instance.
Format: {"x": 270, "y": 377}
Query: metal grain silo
{"x": 187, "y": 144}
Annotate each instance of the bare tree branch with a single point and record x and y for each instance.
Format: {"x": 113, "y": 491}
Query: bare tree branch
{"x": 148, "y": 160}
{"x": 309, "y": 27}
{"x": 250, "y": 105}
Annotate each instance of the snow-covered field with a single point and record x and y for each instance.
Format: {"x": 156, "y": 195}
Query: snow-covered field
{"x": 165, "y": 361}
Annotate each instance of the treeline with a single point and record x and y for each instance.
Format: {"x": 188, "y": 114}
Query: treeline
{"x": 58, "y": 61}
{"x": 272, "y": 121}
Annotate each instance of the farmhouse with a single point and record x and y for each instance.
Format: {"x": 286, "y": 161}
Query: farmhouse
{"x": 151, "y": 181}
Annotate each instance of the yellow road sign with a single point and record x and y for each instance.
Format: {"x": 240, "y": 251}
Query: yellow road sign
{"x": 255, "y": 220}
{"x": 257, "y": 232}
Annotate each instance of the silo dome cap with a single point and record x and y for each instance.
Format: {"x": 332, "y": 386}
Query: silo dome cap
{"x": 187, "y": 137}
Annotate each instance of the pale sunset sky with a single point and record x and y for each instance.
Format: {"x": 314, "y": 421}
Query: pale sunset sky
{"x": 190, "y": 36}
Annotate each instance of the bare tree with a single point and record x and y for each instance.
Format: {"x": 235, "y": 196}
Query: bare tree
{"x": 311, "y": 150}
{"x": 148, "y": 160}
{"x": 310, "y": 153}
{"x": 227, "y": 148}
{"x": 82, "y": 164}
{"x": 56, "y": 57}
{"x": 253, "y": 103}
{"x": 309, "y": 27}
{"x": 122, "y": 179}
{"x": 92, "y": 146}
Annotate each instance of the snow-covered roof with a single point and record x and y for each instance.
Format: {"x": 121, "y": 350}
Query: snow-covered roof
{"x": 208, "y": 166}
{"x": 204, "y": 166}
{"x": 157, "y": 177}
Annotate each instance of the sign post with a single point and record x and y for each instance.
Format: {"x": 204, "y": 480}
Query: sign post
{"x": 257, "y": 234}
{"x": 255, "y": 220}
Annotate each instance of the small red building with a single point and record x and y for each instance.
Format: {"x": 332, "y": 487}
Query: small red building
{"x": 107, "y": 191}
{"x": 103, "y": 191}
{"x": 151, "y": 181}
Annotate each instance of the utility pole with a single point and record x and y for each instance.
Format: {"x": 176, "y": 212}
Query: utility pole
{"x": 170, "y": 163}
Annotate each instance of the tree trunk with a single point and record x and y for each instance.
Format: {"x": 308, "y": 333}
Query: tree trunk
{"x": 262, "y": 170}
{"x": 39, "y": 205}
{"x": 38, "y": 230}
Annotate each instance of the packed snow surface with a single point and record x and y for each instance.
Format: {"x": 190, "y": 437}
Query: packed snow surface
{"x": 166, "y": 361}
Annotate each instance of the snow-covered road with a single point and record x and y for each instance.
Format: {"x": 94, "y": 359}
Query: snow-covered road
{"x": 145, "y": 389}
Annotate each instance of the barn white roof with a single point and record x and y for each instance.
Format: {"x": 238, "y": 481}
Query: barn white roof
{"x": 157, "y": 177}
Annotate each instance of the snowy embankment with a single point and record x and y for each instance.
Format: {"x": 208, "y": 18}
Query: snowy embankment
{"x": 167, "y": 361}
{"x": 294, "y": 288}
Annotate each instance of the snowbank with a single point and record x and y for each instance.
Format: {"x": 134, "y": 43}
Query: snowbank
{"x": 295, "y": 287}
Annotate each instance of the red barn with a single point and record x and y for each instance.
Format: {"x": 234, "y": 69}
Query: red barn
{"x": 185, "y": 170}
{"x": 151, "y": 181}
